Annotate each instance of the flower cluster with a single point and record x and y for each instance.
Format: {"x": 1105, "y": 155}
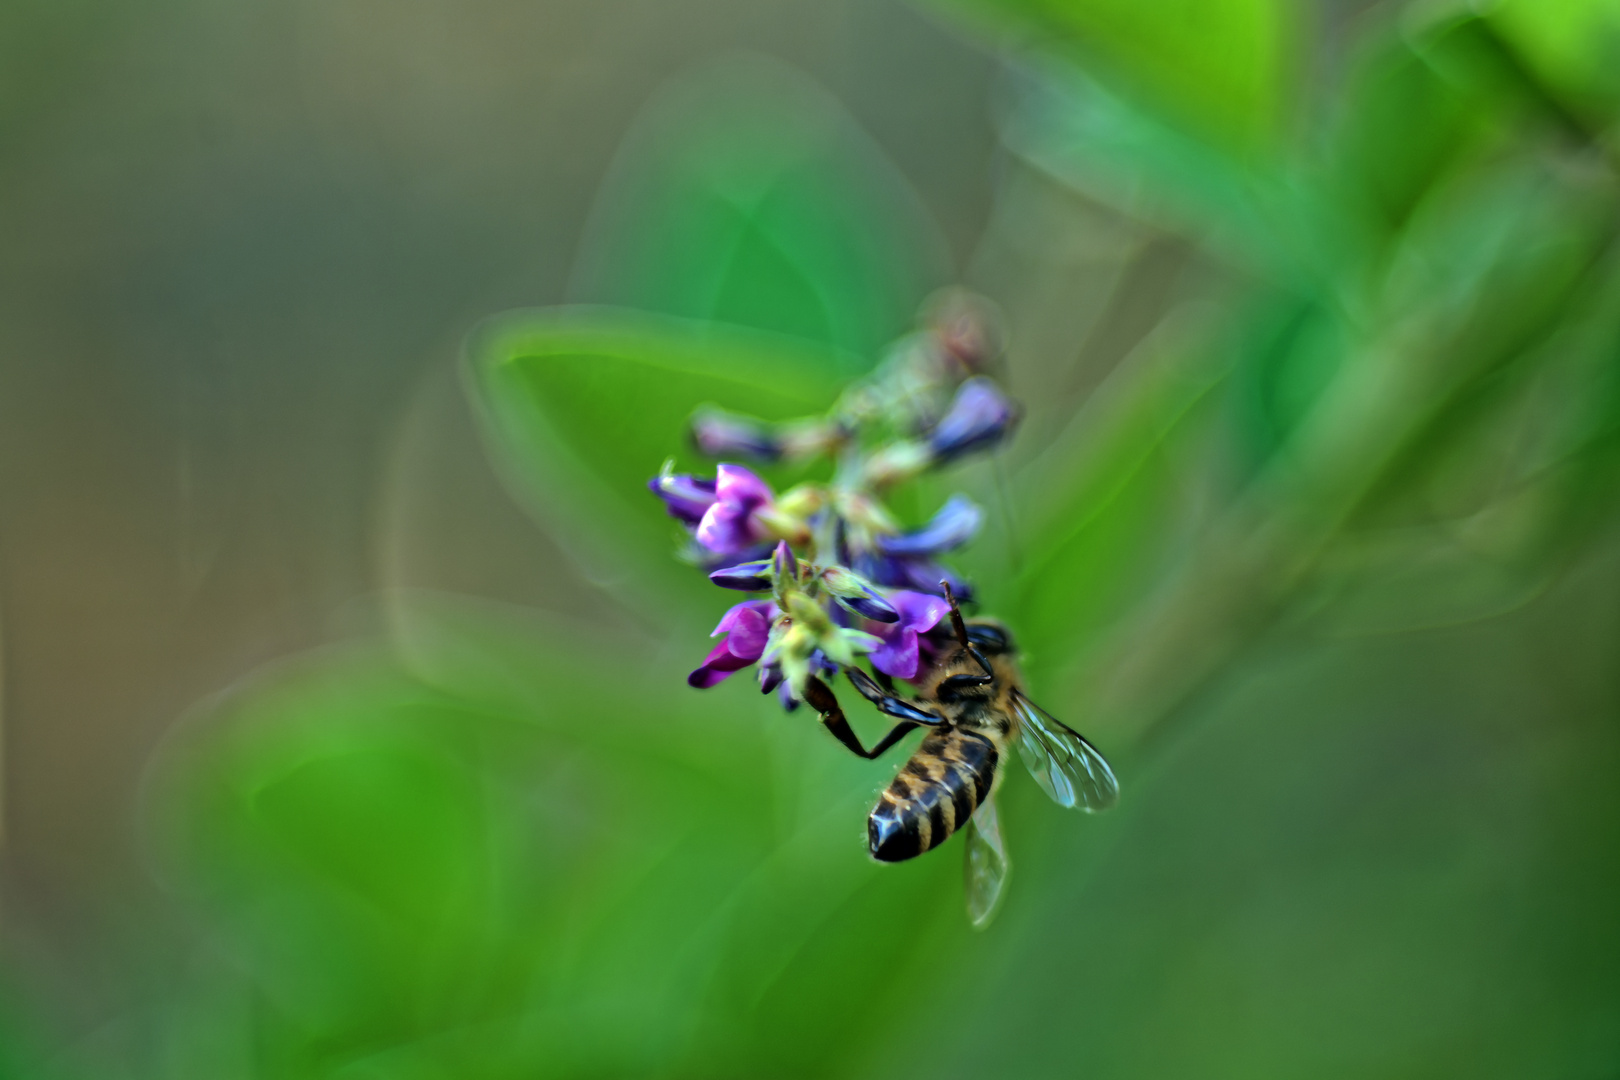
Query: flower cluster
{"x": 843, "y": 578}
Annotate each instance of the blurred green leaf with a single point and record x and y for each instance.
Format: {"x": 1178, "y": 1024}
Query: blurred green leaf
{"x": 745, "y": 194}
{"x": 1404, "y": 580}
{"x": 582, "y": 405}
{"x": 545, "y": 862}
{"x": 1572, "y": 45}
{"x": 1105, "y": 144}
{"x": 1223, "y": 68}
{"x": 1403, "y": 125}
{"x": 1288, "y": 351}
{"x": 1105, "y": 495}
{"x": 1473, "y": 322}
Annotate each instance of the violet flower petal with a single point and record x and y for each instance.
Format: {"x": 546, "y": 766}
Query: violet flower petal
{"x": 919, "y": 612}
{"x": 748, "y": 626}
{"x": 952, "y": 527}
{"x": 897, "y": 655}
{"x": 725, "y": 529}
{"x": 922, "y": 575}
{"x": 735, "y": 484}
{"x": 979, "y": 414}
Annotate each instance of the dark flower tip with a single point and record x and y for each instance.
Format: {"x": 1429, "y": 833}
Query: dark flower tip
{"x": 686, "y": 497}
{"x": 871, "y": 607}
{"x": 745, "y": 577}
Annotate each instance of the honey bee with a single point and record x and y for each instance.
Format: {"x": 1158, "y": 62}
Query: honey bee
{"x": 973, "y": 704}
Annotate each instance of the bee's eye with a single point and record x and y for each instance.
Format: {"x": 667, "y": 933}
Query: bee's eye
{"x": 990, "y": 639}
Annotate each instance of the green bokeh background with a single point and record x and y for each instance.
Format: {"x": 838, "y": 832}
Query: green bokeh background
{"x": 346, "y": 728}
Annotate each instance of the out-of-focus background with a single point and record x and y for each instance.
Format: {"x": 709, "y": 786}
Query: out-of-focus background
{"x": 345, "y": 728}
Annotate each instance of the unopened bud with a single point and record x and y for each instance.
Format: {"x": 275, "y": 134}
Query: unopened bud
{"x": 746, "y": 577}
{"x": 979, "y": 415}
{"x": 857, "y": 594}
{"x": 897, "y": 462}
{"x": 718, "y": 433}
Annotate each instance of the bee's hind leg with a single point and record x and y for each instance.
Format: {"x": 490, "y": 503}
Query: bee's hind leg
{"x": 825, "y": 702}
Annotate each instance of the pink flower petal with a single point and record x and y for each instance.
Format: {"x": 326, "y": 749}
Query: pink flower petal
{"x": 735, "y": 484}
{"x": 717, "y": 667}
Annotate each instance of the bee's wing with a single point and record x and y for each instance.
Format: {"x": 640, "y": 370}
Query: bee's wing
{"x": 1066, "y": 766}
{"x": 984, "y": 864}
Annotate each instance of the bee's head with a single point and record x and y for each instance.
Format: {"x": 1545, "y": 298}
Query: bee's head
{"x": 989, "y": 637}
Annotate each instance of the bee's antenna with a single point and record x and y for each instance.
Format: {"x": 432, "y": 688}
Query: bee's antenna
{"x": 967, "y": 646}
{"x": 956, "y": 616}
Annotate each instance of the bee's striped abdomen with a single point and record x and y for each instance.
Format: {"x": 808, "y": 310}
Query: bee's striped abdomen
{"x": 944, "y": 782}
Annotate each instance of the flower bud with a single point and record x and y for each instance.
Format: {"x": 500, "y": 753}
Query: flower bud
{"x": 980, "y": 414}
{"x": 865, "y": 512}
{"x": 745, "y": 577}
{"x": 797, "y": 644}
{"x": 782, "y": 525}
{"x": 718, "y": 433}
{"x": 897, "y": 462}
{"x": 809, "y": 616}
{"x": 965, "y": 328}
{"x": 784, "y": 567}
{"x": 802, "y": 501}
{"x": 952, "y": 527}
{"x": 686, "y": 497}
{"x": 857, "y": 594}
{"x": 809, "y": 438}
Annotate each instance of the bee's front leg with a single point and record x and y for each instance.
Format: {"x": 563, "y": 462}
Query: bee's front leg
{"x": 887, "y": 701}
{"x": 825, "y": 702}
{"x": 954, "y": 685}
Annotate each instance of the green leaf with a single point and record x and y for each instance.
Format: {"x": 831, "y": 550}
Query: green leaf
{"x": 745, "y": 194}
{"x": 1220, "y": 68}
{"x": 1105, "y": 495}
{"x": 628, "y": 875}
{"x": 1571, "y": 46}
{"x": 1289, "y": 350}
{"x": 1107, "y": 146}
{"x": 1404, "y": 124}
{"x": 581, "y": 406}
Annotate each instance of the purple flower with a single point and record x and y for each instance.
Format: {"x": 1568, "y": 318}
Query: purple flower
{"x": 722, "y": 434}
{"x": 919, "y": 613}
{"x": 747, "y": 626}
{"x": 730, "y": 526}
{"x": 907, "y": 572}
{"x": 980, "y": 414}
{"x": 686, "y": 497}
{"x": 952, "y": 527}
